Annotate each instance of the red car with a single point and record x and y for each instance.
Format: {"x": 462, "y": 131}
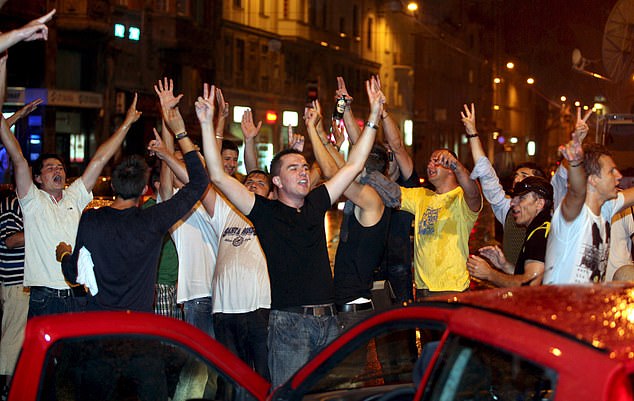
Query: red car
{"x": 537, "y": 343}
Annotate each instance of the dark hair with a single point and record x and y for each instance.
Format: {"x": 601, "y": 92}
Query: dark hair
{"x": 276, "y": 163}
{"x": 535, "y": 169}
{"x": 37, "y": 164}
{"x": 451, "y": 152}
{"x": 377, "y": 159}
{"x": 130, "y": 177}
{"x": 539, "y": 186}
{"x": 592, "y": 152}
{"x": 259, "y": 172}
{"x": 228, "y": 145}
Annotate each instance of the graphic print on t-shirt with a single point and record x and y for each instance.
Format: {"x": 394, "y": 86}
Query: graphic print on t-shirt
{"x": 237, "y": 236}
{"x": 595, "y": 255}
{"x": 427, "y": 225}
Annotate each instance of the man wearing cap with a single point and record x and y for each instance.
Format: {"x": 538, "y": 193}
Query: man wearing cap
{"x": 530, "y": 208}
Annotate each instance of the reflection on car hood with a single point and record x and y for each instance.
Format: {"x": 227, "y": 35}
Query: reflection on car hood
{"x": 601, "y": 315}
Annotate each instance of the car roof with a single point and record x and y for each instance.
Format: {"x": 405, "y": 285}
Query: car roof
{"x": 600, "y": 315}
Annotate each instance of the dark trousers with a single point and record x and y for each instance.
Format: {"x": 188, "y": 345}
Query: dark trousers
{"x": 48, "y": 301}
{"x": 245, "y": 334}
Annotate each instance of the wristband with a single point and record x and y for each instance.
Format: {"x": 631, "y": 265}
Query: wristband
{"x": 384, "y": 115}
{"x": 370, "y": 124}
{"x": 181, "y": 135}
{"x": 64, "y": 254}
{"x": 472, "y": 135}
{"x": 579, "y": 163}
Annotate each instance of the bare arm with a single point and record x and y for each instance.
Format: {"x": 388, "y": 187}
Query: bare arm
{"x": 326, "y": 163}
{"x": 469, "y": 121}
{"x": 250, "y": 131}
{"x": 472, "y": 194}
{"x": 348, "y": 118}
{"x": 479, "y": 268}
{"x": 15, "y": 241}
{"x": 359, "y": 153}
{"x": 223, "y": 114}
{"x": 107, "y": 149}
{"x": 34, "y": 30}
{"x": 23, "y": 112}
{"x": 237, "y": 193}
{"x": 23, "y": 179}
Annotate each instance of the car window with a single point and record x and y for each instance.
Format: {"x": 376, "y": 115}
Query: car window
{"x": 469, "y": 370}
{"x": 380, "y": 360}
{"x": 131, "y": 367}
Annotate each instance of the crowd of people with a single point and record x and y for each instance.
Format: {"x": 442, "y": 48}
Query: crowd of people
{"x": 246, "y": 256}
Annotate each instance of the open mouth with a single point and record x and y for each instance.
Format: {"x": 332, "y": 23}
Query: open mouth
{"x": 57, "y": 179}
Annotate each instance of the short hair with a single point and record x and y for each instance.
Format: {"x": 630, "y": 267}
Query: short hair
{"x": 451, "y": 152}
{"x": 377, "y": 159}
{"x": 228, "y": 145}
{"x": 535, "y": 169}
{"x": 37, "y": 164}
{"x": 592, "y": 152}
{"x": 259, "y": 172}
{"x": 276, "y": 163}
{"x": 130, "y": 177}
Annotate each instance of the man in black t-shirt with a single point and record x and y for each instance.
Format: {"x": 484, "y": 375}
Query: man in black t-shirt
{"x": 530, "y": 207}
{"x": 291, "y": 232}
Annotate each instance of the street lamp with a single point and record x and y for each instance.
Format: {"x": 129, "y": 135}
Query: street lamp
{"x": 412, "y": 6}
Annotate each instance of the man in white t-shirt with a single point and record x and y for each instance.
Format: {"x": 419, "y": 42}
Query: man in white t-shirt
{"x": 51, "y": 215}
{"x": 579, "y": 240}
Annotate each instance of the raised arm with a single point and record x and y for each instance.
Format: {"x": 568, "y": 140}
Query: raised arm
{"x": 23, "y": 111}
{"x": 359, "y": 153}
{"x": 23, "y": 178}
{"x": 573, "y": 202}
{"x": 237, "y": 193}
{"x": 107, "y": 149}
{"x": 327, "y": 164}
{"x": 34, "y": 30}
{"x": 249, "y": 132}
{"x": 223, "y": 114}
{"x": 348, "y": 118}
{"x": 165, "y": 91}
{"x": 472, "y": 194}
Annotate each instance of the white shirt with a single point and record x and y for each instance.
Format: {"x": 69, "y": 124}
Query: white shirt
{"x": 620, "y": 242}
{"x": 577, "y": 251}
{"x": 46, "y": 224}
{"x": 241, "y": 282}
{"x": 196, "y": 245}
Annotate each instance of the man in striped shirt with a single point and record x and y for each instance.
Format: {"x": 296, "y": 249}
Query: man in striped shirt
{"x": 15, "y": 299}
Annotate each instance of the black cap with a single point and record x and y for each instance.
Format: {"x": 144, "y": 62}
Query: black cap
{"x": 535, "y": 184}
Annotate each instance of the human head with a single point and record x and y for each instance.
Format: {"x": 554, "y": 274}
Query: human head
{"x": 155, "y": 180}
{"x": 527, "y": 169}
{"x": 49, "y": 172}
{"x": 377, "y": 159}
{"x": 289, "y": 173}
{"x": 229, "y": 154}
{"x": 624, "y": 273}
{"x": 437, "y": 173}
{"x": 257, "y": 181}
{"x": 601, "y": 170}
{"x": 530, "y": 196}
{"x": 130, "y": 177}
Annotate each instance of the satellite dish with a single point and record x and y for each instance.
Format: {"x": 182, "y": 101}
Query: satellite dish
{"x": 618, "y": 41}
{"x": 579, "y": 64}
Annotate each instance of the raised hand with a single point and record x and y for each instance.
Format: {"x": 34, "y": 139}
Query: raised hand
{"x": 165, "y": 92}
{"x": 249, "y": 129}
{"x": 37, "y": 28}
{"x": 446, "y": 159}
{"x": 24, "y": 111}
{"x": 295, "y": 141}
{"x": 337, "y": 132}
{"x": 375, "y": 96}
{"x": 156, "y": 147}
{"x": 204, "y": 105}
{"x": 469, "y": 119}
{"x": 223, "y": 112}
{"x": 312, "y": 115}
{"x": 573, "y": 150}
{"x": 342, "y": 91}
{"x": 132, "y": 115}
{"x": 581, "y": 127}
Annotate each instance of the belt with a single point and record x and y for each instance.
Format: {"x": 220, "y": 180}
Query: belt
{"x": 78, "y": 291}
{"x": 355, "y": 307}
{"x": 312, "y": 310}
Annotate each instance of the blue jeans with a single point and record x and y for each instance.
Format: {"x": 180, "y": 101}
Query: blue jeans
{"x": 198, "y": 314}
{"x": 294, "y": 339}
{"x": 246, "y": 335}
{"x": 48, "y": 301}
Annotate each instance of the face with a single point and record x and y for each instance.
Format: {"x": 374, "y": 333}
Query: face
{"x": 436, "y": 172}
{"x": 294, "y": 178}
{"x": 524, "y": 208}
{"x": 606, "y": 184}
{"x": 230, "y": 161}
{"x": 52, "y": 176}
{"x": 258, "y": 184}
{"x": 522, "y": 173}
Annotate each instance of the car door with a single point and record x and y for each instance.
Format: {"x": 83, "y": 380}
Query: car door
{"x": 124, "y": 355}
{"x": 388, "y": 352}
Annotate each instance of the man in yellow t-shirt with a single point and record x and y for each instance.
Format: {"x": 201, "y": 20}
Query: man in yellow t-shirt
{"x": 443, "y": 221}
